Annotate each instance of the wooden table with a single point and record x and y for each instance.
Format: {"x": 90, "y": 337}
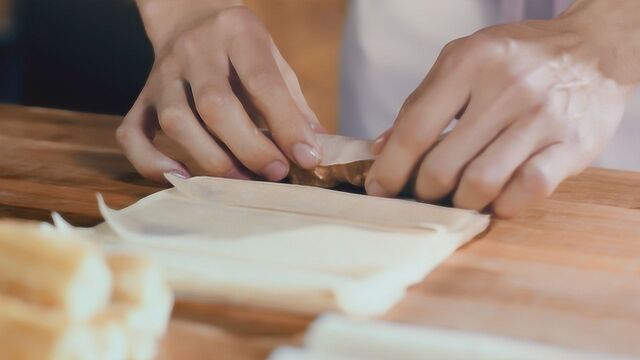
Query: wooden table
{"x": 566, "y": 272}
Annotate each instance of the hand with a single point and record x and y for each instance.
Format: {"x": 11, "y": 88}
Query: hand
{"x": 539, "y": 100}
{"x": 216, "y": 62}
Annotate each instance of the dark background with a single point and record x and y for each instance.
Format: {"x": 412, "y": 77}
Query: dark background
{"x": 89, "y": 55}
{"x": 93, "y": 55}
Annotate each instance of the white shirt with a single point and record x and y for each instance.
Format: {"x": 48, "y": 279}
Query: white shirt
{"x": 389, "y": 45}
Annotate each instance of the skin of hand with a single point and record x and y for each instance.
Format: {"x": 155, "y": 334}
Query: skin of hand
{"x": 536, "y": 102}
{"x": 215, "y": 63}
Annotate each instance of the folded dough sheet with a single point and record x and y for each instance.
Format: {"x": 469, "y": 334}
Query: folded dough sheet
{"x": 283, "y": 246}
{"x": 333, "y": 337}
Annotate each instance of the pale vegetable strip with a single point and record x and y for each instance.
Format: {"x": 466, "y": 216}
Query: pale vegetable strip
{"x": 33, "y": 332}
{"x": 59, "y": 271}
{"x": 60, "y": 299}
{"x": 138, "y": 283}
{"x": 379, "y": 340}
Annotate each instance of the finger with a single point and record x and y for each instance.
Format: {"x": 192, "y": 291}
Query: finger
{"x": 489, "y": 112}
{"x": 224, "y": 116}
{"x": 440, "y": 169}
{"x": 536, "y": 179}
{"x": 135, "y": 135}
{"x": 421, "y": 120}
{"x": 178, "y": 121}
{"x": 253, "y": 60}
{"x": 291, "y": 80}
{"x": 380, "y": 141}
{"x": 487, "y": 174}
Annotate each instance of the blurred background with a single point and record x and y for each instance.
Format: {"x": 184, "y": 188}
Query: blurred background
{"x": 93, "y": 55}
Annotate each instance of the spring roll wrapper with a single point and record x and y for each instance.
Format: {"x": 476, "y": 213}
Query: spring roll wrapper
{"x": 343, "y": 160}
{"x": 282, "y": 246}
{"x": 338, "y": 337}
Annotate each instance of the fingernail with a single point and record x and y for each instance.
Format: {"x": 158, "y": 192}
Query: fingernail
{"x": 374, "y": 189}
{"x": 180, "y": 173}
{"x": 379, "y": 142}
{"x": 317, "y": 127}
{"x": 306, "y": 156}
{"x": 237, "y": 174}
{"x": 275, "y": 171}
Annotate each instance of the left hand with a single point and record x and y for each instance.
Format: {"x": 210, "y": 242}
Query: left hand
{"x": 539, "y": 100}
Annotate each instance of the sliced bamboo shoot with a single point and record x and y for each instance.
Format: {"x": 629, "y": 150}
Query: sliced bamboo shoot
{"x": 141, "y": 291}
{"x": 111, "y": 336}
{"x": 33, "y": 332}
{"x": 64, "y": 272}
{"x": 363, "y": 339}
{"x": 140, "y": 340}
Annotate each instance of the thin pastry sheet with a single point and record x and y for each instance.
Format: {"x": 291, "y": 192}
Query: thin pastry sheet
{"x": 286, "y": 246}
{"x": 337, "y": 337}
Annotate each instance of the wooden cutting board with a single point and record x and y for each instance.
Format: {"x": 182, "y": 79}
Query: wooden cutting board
{"x": 566, "y": 272}
{"x": 197, "y": 341}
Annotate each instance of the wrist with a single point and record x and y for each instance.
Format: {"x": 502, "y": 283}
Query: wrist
{"x": 163, "y": 19}
{"x": 612, "y": 31}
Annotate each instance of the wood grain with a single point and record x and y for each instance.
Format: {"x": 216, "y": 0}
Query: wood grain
{"x": 566, "y": 272}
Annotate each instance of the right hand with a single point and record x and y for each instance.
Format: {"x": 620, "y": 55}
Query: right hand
{"x": 208, "y": 66}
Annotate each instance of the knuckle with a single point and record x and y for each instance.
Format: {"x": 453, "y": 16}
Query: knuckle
{"x": 420, "y": 191}
{"x": 452, "y": 46}
{"x": 480, "y": 46}
{"x": 564, "y": 130}
{"x": 216, "y": 166}
{"x": 289, "y": 75}
{"x": 521, "y": 135}
{"x": 490, "y": 45}
{"x": 123, "y": 134}
{"x": 211, "y": 100}
{"x": 170, "y": 119}
{"x": 187, "y": 43}
{"x": 411, "y": 136}
{"x": 481, "y": 180}
{"x": 504, "y": 210}
{"x": 571, "y": 134}
{"x": 535, "y": 179}
{"x": 585, "y": 141}
{"x": 407, "y": 105}
{"x": 522, "y": 87}
{"x": 260, "y": 83}
{"x": 552, "y": 126}
{"x": 514, "y": 81}
{"x": 168, "y": 66}
{"x": 239, "y": 20}
{"x": 451, "y": 56}
{"x": 479, "y": 43}
{"x": 438, "y": 174}
{"x": 287, "y": 134}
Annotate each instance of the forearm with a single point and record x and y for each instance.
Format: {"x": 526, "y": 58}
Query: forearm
{"x": 612, "y": 29}
{"x": 163, "y": 18}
